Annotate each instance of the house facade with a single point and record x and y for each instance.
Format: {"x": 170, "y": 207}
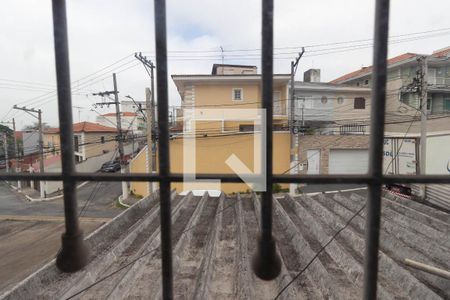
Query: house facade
{"x": 402, "y": 102}
{"x": 332, "y": 108}
{"x": 335, "y": 123}
{"x": 220, "y": 120}
{"x": 90, "y": 140}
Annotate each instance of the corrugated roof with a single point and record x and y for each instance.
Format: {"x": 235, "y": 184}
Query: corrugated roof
{"x": 367, "y": 70}
{"x": 214, "y": 239}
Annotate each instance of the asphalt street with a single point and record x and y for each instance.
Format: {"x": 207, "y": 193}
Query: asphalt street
{"x": 101, "y": 199}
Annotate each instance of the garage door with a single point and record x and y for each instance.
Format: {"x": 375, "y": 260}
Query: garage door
{"x": 348, "y": 161}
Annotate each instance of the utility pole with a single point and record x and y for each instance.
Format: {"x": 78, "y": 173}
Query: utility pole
{"x": 115, "y": 92}
{"x": 292, "y": 130}
{"x": 5, "y": 147}
{"x": 32, "y": 112}
{"x": 149, "y": 111}
{"x": 148, "y": 65}
{"x": 16, "y": 151}
{"x": 149, "y": 68}
{"x": 423, "y": 86}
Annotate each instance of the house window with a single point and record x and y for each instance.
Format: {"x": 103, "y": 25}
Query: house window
{"x": 76, "y": 142}
{"x": 340, "y": 100}
{"x": 324, "y": 100}
{"x": 360, "y": 103}
{"x": 366, "y": 82}
{"x": 246, "y": 128}
{"x": 429, "y": 104}
{"x": 238, "y": 94}
{"x": 446, "y": 105}
{"x": 102, "y": 139}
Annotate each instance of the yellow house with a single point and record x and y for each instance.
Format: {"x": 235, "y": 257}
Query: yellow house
{"x": 90, "y": 139}
{"x": 220, "y": 120}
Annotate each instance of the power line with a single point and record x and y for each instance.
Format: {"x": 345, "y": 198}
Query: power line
{"x": 144, "y": 254}
{"x": 319, "y": 252}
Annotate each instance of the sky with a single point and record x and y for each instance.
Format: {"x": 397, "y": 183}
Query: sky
{"x": 104, "y": 35}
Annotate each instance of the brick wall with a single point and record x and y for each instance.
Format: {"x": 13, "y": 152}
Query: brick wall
{"x": 326, "y": 142}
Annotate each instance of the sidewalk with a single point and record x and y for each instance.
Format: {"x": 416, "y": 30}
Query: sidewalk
{"x": 34, "y": 195}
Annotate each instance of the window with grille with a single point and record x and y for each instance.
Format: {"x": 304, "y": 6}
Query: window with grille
{"x": 73, "y": 258}
{"x": 237, "y": 94}
{"x": 359, "y": 103}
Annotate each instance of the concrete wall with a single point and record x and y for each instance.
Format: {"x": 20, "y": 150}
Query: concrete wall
{"x": 139, "y": 164}
{"x": 325, "y": 143}
{"x": 438, "y": 155}
{"x": 210, "y": 156}
{"x": 97, "y": 148}
{"x": 51, "y": 141}
{"x": 30, "y": 142}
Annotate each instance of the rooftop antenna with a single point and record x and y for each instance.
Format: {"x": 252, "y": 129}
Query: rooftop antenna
{"x": 221, "y": 50}
{"x": 79, "y": 108}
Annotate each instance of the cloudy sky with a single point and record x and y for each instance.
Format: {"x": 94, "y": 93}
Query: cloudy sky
{"x": 103, "y": 35}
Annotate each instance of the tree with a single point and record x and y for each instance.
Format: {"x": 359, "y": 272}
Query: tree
{"x": 35, "y": 126}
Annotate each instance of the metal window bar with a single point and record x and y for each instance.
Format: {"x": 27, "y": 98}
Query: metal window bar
{"x": 74, "y": 255}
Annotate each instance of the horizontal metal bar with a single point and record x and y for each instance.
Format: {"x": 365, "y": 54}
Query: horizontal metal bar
{"x": 228, "y": 178}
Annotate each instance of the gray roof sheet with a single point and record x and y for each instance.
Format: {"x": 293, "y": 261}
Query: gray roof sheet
{"x": 214, "y": 238}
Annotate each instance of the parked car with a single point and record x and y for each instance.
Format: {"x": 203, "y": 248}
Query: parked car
{"x": 110, "y": 166}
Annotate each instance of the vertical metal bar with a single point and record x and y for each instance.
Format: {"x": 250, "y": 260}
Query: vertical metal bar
{"x": 163, "y": 144}
{"x": 267, "y": 105}
{"x": 376, "y": 148}
{"x": 266, "y": 262}
{"x": 73, "y": 254}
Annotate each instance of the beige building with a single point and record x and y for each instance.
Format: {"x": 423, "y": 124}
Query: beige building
{"x": 90, "y": 139}
{"x": 215, "y": 118}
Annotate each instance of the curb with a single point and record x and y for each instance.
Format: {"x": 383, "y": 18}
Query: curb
{"x": 54, "y": 197}
{"x": 121, "y": 203}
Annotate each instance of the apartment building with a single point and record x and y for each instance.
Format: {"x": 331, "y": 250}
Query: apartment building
{"x": 402, "y": 94}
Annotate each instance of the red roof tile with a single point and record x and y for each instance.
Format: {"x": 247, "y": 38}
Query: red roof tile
{"x": 367, "y": 70}
{"x": 442, "y": 52}
{"x": 85, "y": 127}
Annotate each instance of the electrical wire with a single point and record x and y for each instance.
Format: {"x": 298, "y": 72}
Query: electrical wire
{"x": 143, "y": 255}
{"x": 319, "y": 252}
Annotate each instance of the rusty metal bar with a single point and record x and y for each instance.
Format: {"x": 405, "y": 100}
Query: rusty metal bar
{"x": 74, "y": 253}
{"x": 376, "y": 148}
{"x": 227, "y": 178}
{"x": 266, "y": 262}
{"x": 163, "y": 147}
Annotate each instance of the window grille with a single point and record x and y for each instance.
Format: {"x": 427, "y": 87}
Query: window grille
{"x": 360, "y": 103}
{"x": 73, "y": 254}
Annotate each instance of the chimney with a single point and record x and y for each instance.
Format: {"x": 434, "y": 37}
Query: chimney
{"x": 312, "y": 75}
